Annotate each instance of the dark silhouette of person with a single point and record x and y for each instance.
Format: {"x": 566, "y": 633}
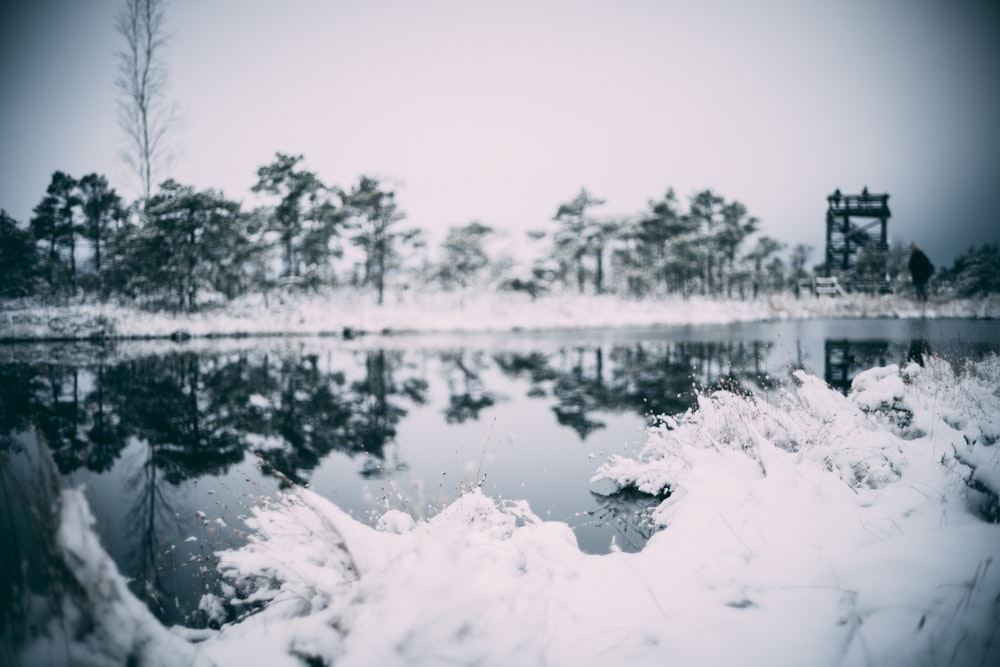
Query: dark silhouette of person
{"x": 921, "y": 270}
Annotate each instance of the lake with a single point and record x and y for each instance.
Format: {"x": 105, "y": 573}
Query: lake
{"x": 175, "y": 442}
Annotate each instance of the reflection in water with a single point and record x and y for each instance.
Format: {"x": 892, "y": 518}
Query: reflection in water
{"x": 647, "y": 378}
{"x": 159, "y": 424}
{"x": 467, "y": 394}
{"x": 843, "y": 359}
{"x": 183, "y": 417}
{"x": 918, "y": 350}
{"x": 630, "y": 513}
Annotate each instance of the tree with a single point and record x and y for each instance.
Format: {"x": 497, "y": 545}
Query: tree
{"x": 631, "y": 270}
{"x": 774, "y": 275}
{"x": 305, "y": 217}
{"x": 870, "y": 270}
{"x": 464, "y": 257}
{"x": 122, "y": 272}
{"x": 659, "y": 230}
{"x": 54, "y": 223}
{"x": 975, "y": 273}
{"x": 577, "y": 237}
{"x": 599, "y": 235}
{"x": 735, "y": 228}
{"x": 706, "y": 215}
{"x": 687, "y": 258}
{"x": 102, "y": 207}
{"x": 190, "y": 242}
{"x": 18, "y": 259}
{"x": 141, "y": 82}
{"x": 797, "y": 265}
{"x": 375, "y": 214}
{"x": 765, "y": 248}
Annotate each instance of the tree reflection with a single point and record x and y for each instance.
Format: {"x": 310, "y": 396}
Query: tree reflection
{"x": 579, "y": 389}
{"x": 649, "y": 378}
{"x": 303, "y": 416}
{"x": 654, "y": 379}
{"x": 843, "y": 359}
{"x": 20, "y": 387}
{"x": 163, "y": 402}
{"x": 533, "y": 365}
{"x": 60, "y": 419}
{"x": 467, "y": 395}
{"x": 375, "y": 415}
{"x": 103, "y": 426}
{"x": 164, "y": 405}
{"x": 201, "y": 414}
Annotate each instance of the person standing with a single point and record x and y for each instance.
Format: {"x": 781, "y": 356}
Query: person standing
{"x": 921, "y": 270}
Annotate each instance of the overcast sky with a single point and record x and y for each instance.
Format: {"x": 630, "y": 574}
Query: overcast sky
{"x": 499, "y": 111}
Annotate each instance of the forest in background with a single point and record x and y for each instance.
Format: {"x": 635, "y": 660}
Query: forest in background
{"x": 183, "y": 249}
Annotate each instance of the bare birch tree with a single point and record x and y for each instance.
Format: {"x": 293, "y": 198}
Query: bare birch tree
{"x": 141, "y": 82}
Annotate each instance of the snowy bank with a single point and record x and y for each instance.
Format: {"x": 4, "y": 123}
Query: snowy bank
{"x": 822, "y": 530}
{"x": 344, "y": 310}
{"x": 814, "y": 529}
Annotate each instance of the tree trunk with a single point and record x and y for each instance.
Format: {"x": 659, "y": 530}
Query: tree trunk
{"x": 599, "y": 272}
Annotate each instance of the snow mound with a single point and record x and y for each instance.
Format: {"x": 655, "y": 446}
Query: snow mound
{"x": 746, "y": 437}
{"x": 818, "y": 529}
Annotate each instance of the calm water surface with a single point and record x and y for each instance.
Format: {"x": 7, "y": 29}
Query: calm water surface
{"x": 174, "y": 442}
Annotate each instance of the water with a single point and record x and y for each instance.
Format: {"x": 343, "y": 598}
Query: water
{"x": 175, "y": 442}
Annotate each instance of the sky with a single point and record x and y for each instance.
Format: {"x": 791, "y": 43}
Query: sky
{"x": 500, "y": 111}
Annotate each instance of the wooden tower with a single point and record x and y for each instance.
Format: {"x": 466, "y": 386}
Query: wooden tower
{"x": 852, "y": 222}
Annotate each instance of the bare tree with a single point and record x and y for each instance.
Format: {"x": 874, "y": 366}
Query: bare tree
{"x": 142, "y": 80}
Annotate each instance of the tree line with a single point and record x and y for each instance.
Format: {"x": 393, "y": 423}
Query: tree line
{"x": 184, "y": 248}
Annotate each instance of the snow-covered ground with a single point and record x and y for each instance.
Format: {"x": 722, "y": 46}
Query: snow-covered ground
{"x": 406, "y": 311}
{"x": 816, "y": 529}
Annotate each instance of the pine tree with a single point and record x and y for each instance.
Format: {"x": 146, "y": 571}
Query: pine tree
{"x": 305, "y": 217}
{"x": 189, "y": 243}
{"x": 18, "y": 259}
{"x": 102, "y": 209}
{"x": 464, "y": 257}
{"x": 577, "y": 236}
{"x": 375, "y": 216}
{"x": 54, "y": 224}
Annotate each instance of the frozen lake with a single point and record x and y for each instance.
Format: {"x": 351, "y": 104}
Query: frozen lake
{"x": 175, "y": 441}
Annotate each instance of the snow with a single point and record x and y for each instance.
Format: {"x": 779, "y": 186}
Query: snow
{"x": 333, "y": 312}
{"x": 812, "y": 529}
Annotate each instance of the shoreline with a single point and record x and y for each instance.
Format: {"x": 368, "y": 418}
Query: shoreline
{"x": 348, "y": 315}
